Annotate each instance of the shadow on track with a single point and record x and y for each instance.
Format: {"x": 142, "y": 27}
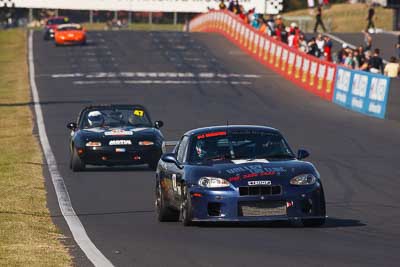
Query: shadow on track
{"x": 330, "y": 223}
{"x": 131, "y": 168}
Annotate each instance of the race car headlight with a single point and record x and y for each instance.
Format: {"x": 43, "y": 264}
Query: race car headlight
{"x": 146, "y": 143}
{"x": 93, "y": 144}
{"x": 303, "y": 179}
{"x": 51, "y": 30}
{"x": 213, "y": 182}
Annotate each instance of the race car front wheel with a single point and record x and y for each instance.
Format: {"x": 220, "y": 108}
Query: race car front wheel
{"x": 186, "y": 207}
{"x": 321, "y": 208}
{"x": 77, "y": 164}
{"x": 164, "y": 214}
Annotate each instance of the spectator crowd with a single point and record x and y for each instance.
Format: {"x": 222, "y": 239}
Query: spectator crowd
{"x": 320, "y": 46}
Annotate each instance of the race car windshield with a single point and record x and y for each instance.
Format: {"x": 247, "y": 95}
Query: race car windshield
{"x": 239, "y": 145}
{"x": 56, "y": 21}
{"x": 71, "y": 28}
{"x": 115, "y": 118}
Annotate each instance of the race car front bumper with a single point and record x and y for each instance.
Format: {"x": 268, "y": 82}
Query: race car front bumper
{"x": 111, "y": 155}
{"x": 294, "y": 203}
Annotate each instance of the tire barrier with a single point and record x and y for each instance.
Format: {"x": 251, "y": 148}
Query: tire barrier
{"x": 359, "y": 91}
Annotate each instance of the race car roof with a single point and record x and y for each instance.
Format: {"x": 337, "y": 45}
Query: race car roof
{"x": 231, "y": 128}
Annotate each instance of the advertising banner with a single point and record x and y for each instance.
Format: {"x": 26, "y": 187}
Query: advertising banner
{"x": 195, "y": 6}
{"x": 362, "y": 91}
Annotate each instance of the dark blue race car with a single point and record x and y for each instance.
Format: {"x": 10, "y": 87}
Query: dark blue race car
{"x": 115, "y": 135}
{"x": 238, "y": 173}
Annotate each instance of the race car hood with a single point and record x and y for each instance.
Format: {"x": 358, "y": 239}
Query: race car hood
{"x": 239, "y": 172}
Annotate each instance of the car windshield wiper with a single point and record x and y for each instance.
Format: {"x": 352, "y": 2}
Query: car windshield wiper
{"x": 270, "y": 156}
{"x": 140, "y": 124}
{"x": 217, "y": 157}
{"x": 280, "y": 156}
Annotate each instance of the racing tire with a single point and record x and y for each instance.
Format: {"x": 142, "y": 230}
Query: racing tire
{"x": 186, "y": 213}
{"x": 322, "y": 212}
{"x": 164, "y": 214}
{"x": 77, "y": 164}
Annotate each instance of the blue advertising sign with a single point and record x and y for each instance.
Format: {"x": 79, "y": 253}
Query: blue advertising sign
{"x": 362, "y": 91}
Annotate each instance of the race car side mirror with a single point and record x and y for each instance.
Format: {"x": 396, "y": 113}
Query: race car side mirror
{"x": 171, "y": 158}
{"x": 72, "y": 126}
{"x": 302, "y": 154}
{"x": 158, "y": 124}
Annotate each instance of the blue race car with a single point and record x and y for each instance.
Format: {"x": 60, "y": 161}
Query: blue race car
{"x": 238, "y": 174}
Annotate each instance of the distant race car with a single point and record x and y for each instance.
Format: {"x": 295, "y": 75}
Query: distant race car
{"x": 51, "y": 26}
{"x": 67, "y": 34}
{"x": 115, "y": 135}
{"x": 238, "y": 174}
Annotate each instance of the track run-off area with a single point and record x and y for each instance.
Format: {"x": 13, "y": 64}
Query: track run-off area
{"x": 192, "y": 80}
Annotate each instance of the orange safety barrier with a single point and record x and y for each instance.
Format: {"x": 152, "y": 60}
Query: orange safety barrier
{"x": 311, "y": 73}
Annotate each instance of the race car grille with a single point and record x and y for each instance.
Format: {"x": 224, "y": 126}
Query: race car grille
{"x": 264, "y": 208}
{"x": 260, "y": 190}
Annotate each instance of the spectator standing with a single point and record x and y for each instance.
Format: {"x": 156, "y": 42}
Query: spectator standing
{"x": 320, "y": 42}
{"x": 356, "y": 60}
{"x": 222, "y": 5}
{"x": 328, "y": 48}
{"x": 349, "y": 60}
{"x": 279, "y": 21}
{"x": 375, "y": 63}
{"x": 231, "y": 6}
{"x": 271, "y": 24}
{"x": 313, "y": 49}
{"x": 365, "y": 66}
{"x": 370, "y": 18}
{"x": 361, "y": 55}
{"x": 319, "y": 21}
{"x": 291, "y": 39}
{"x": 367, "y": 41}
{"x": 341, "y": 54}
{"x": 311, "y": 4}
{"x": 303, "y": 44}
{"x": 392, "y": 69}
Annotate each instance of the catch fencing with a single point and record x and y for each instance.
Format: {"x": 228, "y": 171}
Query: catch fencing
{"x": 360, "y": 91}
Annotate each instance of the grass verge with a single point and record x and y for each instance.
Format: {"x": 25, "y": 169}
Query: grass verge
{"x": 138, "y": 27}
{"x": 27, "y": 235}
{"x": 348, "y": 17}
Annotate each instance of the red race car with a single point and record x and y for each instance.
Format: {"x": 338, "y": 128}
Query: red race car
{"x": 51, "y": 26}
{"x": 68, "y": 34}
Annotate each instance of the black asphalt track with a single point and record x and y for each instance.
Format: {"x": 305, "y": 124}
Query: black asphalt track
{"x": 357, "y": 156}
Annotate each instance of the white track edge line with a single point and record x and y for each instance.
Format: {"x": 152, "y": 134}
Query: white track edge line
{"x": 75, "y": 225}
